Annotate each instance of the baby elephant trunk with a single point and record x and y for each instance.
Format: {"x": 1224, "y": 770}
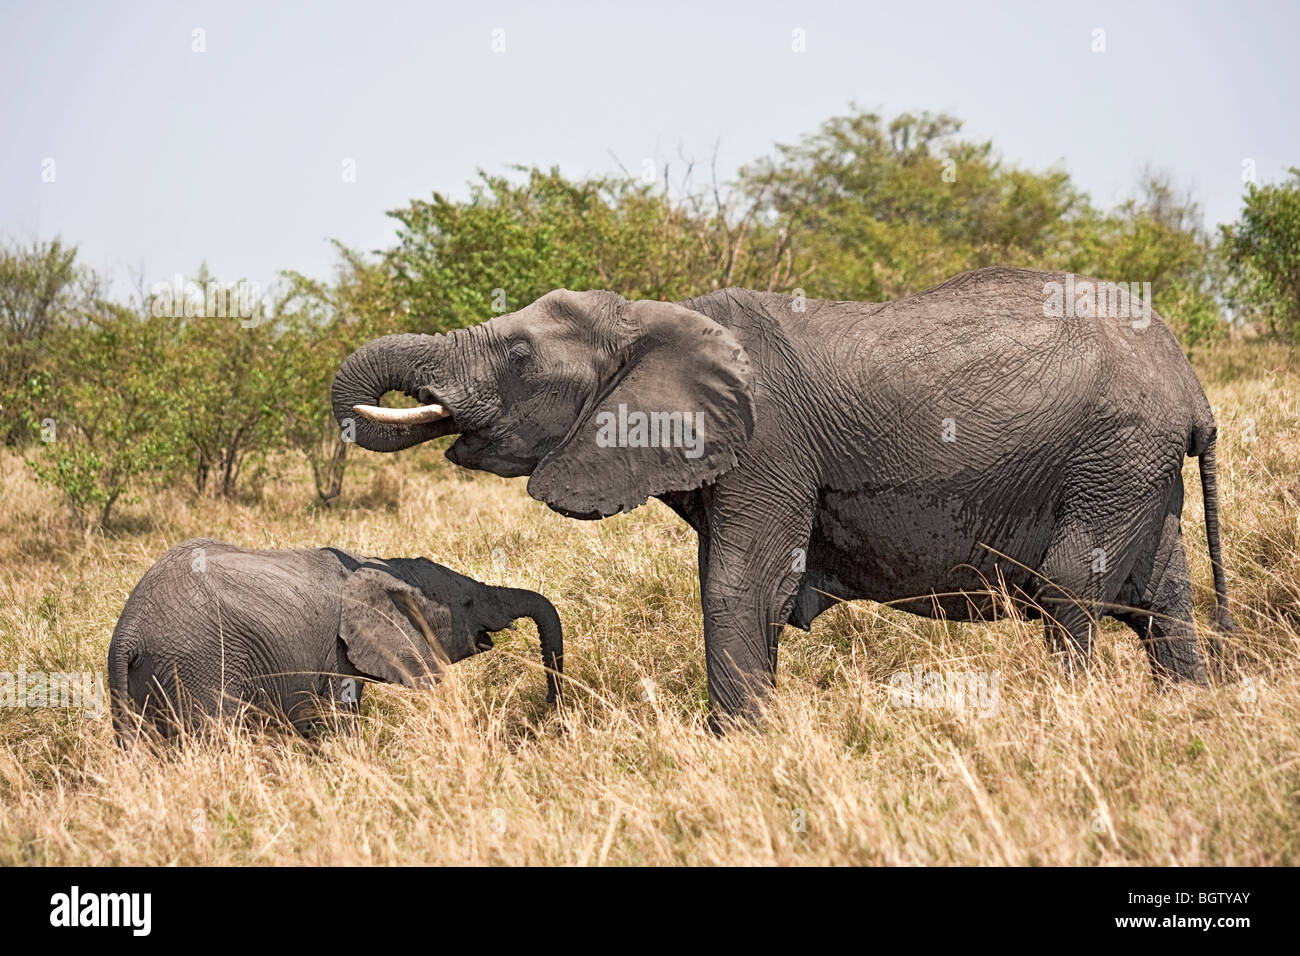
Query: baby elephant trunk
{"x": 530, "y": 604}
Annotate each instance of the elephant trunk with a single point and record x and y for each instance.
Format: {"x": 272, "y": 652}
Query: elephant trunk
{"x": 530, "y": 604}
{"x": 390, "y": 363}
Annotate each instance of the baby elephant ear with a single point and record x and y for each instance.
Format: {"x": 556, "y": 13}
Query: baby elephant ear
{"x": 391, "y": 630}
{"x": 670, "y": 415}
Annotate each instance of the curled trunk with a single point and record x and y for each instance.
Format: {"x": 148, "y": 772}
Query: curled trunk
{"x": 530, "y": 604}
{"x": 388, "y": 364}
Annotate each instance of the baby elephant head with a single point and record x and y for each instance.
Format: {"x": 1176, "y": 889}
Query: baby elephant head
{"x": 404, "y": 620}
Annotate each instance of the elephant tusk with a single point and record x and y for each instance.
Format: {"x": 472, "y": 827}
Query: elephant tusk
{"x": 402, "y": 416}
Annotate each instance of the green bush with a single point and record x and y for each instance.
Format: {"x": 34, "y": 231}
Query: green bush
{"x": 1263, "y": 254}
{"x": 320, "y": 324}
{"x": 41, "y": 289}
{"x": 101, "y": 415}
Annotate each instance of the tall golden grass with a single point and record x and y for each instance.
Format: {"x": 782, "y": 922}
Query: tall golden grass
{"x": 1105, "y": 769}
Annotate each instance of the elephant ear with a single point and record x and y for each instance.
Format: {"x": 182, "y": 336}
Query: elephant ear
{"x": 392, "y": 631}
{"x": 674, "y": 406}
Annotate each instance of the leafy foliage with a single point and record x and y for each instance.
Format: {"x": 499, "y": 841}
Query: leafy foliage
{"x": 102, "y": 415}
{"x": 321, "y": 322}
{"x": 881, "y": 210}
{"x": 41, "y": 288}
{"x": 455, "y": 263}
{"x": 226, "y": 377}
{"x": 1158, "y": 237}
{"x": 1263, "y": 254}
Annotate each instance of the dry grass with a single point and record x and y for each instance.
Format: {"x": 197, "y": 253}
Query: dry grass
{"x": 1105, "y": 770}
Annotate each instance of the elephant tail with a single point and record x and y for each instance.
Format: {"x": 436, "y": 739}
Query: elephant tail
{"x": 123, "y": 654}
{"x": 1210, "y": 492}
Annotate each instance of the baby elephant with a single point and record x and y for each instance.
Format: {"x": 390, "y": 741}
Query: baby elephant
{"x": 211, "y": 626}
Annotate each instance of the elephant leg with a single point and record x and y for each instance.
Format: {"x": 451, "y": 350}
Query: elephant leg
{"x": 178, "y": 706}
{"x": 702, "y": 561}
{"x": 748, "y": 583}
{"x": 1077, "y": 578}
{"x": 1163, "y": 618}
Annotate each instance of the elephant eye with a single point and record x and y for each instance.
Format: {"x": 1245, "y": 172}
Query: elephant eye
{"x": 519, "y": 352}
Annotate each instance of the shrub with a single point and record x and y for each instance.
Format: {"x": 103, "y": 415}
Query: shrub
{"x": 102, "y": 416}
{"x": 1263, "y": 252}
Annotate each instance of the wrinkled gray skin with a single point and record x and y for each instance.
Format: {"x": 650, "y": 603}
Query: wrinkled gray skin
{"x": 827, "y": 473}
{"x": 211, "y": 626}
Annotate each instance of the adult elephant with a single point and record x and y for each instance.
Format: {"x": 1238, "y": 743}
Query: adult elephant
{"x": 995, "y": 428}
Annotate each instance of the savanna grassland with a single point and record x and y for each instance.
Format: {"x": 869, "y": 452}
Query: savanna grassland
{"x": 1107, "y": 769}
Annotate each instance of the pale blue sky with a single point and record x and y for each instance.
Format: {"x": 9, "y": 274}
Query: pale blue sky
{"x": 165, "y": 157}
